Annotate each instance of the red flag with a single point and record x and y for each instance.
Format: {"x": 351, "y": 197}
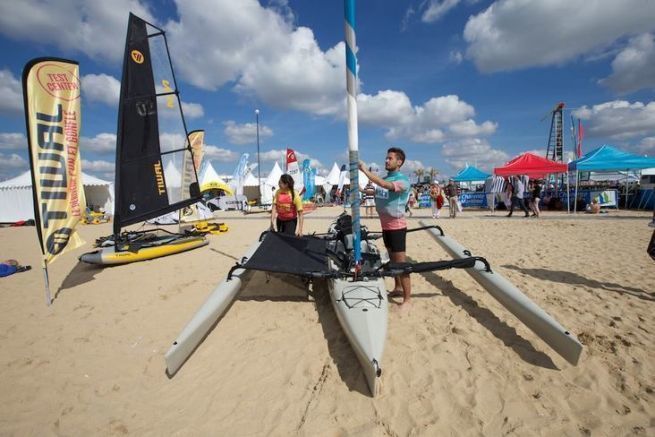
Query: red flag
{"x": 580, "y": 137}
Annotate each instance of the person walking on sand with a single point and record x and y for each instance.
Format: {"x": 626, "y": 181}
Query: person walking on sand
{"x": 286, "y": 214}
{"x": 451, "y": 194}
{"x": 436, "y": 198}
{"x": 536, "y": 197}
{"x": 517, "y": 197}
{"x": 391, "y": 196}
{"x": 369, "y": 199}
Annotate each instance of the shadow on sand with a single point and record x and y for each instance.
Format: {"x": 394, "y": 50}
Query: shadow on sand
{"x": 486, "y": 318}
{"x": 278, "y": 287}
{"x": 339, "y": 348}
{"x": 274, "y": 287}
{"x": 574, "y": 278}
{"x": 81, "y": 274}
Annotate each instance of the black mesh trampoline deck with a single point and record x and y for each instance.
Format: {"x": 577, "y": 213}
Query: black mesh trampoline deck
{"x": 283, "y": 253}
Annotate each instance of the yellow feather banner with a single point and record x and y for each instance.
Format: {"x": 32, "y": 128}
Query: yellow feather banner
{"x": 51, "y": 91}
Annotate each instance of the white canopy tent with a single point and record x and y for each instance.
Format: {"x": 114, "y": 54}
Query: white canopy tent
{"x": 270, "y": 184}
{"x": 333, "y": 176}
{"x": 16, "y": 201}
{"x": 208, "y": 174}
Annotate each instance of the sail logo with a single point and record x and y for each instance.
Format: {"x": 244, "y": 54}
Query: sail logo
{"x": 58, "y": 82}
{"x": 145, "y": 108}
{"x": 170, "y": 101}
{"x": 291, "y": 156}
{"x": 159, "y": 177}
{"x": 137, "y": 56}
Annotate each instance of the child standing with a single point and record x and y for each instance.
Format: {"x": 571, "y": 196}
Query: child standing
{"x": 286, "y": 214}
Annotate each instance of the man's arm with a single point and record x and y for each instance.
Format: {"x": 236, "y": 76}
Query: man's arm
{"x": 376, "y": 179}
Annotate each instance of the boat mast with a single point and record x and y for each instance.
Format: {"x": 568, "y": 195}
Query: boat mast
{"x": 353, "y": 144}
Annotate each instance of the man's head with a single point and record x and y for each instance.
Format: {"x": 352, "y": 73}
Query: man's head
{"x": 395, "y": 159}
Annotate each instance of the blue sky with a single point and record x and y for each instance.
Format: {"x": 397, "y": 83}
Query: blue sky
{"x": 450, "y": 81}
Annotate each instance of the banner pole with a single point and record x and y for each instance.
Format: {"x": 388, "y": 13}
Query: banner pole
{"x": 48, "y": 297}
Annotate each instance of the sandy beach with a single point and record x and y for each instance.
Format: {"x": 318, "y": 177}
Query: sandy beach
{"x": 279, "y": 364}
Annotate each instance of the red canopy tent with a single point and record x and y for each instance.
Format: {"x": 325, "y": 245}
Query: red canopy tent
{"x": 531, "y": 165}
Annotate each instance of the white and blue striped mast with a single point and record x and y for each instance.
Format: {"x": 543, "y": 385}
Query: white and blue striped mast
{"x": 353, "y": 140}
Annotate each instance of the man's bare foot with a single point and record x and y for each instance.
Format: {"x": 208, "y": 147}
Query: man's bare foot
{"x": 395, "y": 293}
{"x": 403, "y": 308}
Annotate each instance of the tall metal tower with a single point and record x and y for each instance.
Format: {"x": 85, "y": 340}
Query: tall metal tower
{"x": 555, "y": 149}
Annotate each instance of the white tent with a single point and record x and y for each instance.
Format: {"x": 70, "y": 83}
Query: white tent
{"x": 333, "y": 177}
{"x": 319, "y": 180}
{"x": 250, "y": 181}
{"x": 363, "y": 179}
{"x": 270, "y": 184}
{"x": 208, "y": 174}
{"x": 16, "y": 201}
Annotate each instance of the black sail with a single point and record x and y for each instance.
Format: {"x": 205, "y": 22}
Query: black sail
{"x": 151, "y": 135}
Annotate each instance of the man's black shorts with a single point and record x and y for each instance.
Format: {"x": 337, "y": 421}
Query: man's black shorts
{"x": 394, "y": 240}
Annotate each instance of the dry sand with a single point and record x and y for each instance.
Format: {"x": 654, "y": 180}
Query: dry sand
{"x": 278, "y": 364}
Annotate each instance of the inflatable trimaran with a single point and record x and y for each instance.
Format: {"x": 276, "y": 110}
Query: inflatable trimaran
{"x": 348, "y": 259}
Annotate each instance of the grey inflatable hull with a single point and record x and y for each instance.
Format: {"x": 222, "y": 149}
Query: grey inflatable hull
{"x": 528, "y": 312}
{"x": 205, "y": 318}
{"x": 362, "y": 310}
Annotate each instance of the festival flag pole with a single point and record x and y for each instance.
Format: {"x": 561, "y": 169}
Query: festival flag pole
{"x": 48, "y": 297}
{"x": 353, "y": 145}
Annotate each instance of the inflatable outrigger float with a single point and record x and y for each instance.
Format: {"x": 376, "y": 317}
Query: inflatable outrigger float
{"x": 358, "y": 293}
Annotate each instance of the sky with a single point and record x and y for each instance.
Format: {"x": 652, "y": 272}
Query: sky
{"x": 452, "y": 82}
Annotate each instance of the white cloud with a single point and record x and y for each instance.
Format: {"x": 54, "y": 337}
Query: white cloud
{"x": 473, "y": 151}
{"x": 101, "y": 88}
{"x": 618, "y": 120}
{"x": 260, "y": 51}
{"x": 219, "y": 154}
{"x": 13, "y": 141}
{"x": 410, "y": 166}
{"x": 437, "y": 9}
{"x": 280, "y": 155}
{"x": 384, "y": 108}
{"x": 95, "y": 28}
{"x": 646, "y": 146}
{"x": 11, "y": 165}
{"x": 439, "y": 119}
{"x": 170, "y": 141}
{"x": 456, "y": 57}
{"x": 512, "y": 34}
{"x": 12, "y": 161}
{"x": 634, "y": 67}
{"x": 98, "y": 166}
{"x": 245, "y": 133}
{"x": 101, "y": 143}
{"x": 192, "y": 110}
{"x": 12, "y": 93}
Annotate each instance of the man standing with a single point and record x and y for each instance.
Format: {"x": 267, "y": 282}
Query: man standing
{"x": 391, "y": 196}
{"x": 451, "y": 194}
{"x": 519, "y": 189}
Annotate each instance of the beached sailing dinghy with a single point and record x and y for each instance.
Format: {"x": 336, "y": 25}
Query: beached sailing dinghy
{"x": 154, "y": 175}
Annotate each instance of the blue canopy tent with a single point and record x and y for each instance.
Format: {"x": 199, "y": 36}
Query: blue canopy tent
{"x": 470, "y": 174}
{"x": 608, "y": 158}
{"x": 467, "y": 175}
